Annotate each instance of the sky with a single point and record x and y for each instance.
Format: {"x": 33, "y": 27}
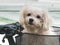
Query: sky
{"x": 19, "y": 1}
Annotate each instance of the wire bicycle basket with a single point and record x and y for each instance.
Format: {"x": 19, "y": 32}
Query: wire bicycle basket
{"x": 34, "y": 39}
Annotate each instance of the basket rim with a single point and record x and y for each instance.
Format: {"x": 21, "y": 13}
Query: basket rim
{"x": 39, "y": 35}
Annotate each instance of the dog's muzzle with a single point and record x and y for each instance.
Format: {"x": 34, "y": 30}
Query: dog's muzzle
{"x": 31, "y": 21}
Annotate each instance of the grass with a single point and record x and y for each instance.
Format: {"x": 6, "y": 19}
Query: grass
{"x": 6, "y": 20}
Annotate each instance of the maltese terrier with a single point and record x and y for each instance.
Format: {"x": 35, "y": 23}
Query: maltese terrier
{"x": 36, "y": 20}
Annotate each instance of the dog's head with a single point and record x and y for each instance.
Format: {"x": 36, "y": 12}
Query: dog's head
{"x": 34, "y": 17}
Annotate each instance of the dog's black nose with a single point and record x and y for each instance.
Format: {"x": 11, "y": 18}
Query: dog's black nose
{"x": 30, "y": 20}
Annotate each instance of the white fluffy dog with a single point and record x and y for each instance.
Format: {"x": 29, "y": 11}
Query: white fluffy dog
{"x": 36, "y": 20}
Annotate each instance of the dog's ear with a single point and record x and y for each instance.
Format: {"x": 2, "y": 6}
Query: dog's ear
{"x": 22, "y": 15}
{"x": 21, "y": 20}
{"x": 46, "y": 20}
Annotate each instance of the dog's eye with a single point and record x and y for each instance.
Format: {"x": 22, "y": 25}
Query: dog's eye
{"x": 38, "y": 16}
{"x": 29, "y": 14}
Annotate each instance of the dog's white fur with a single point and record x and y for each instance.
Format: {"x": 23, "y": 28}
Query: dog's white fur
{"x": 40, "y": 25}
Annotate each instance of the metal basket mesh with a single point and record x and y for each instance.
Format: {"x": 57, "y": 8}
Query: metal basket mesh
{"x": 33, "y": 39}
